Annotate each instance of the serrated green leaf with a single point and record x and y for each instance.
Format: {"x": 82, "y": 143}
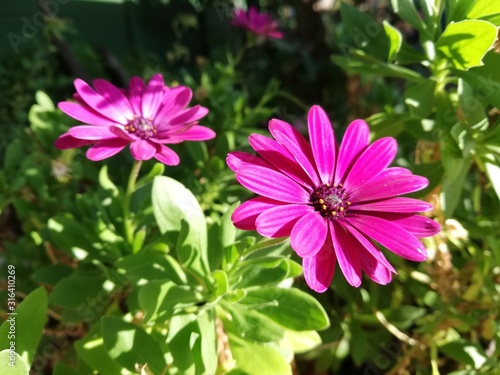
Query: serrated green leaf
{"x": 129, "y": 344}
{"x": 28, "y": 319}
{"x": 465, "y": 43}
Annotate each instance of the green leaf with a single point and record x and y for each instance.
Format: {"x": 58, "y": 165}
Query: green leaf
{"x": 106, "y": 182}
{"x": 189, "y": 253}
{"x": 157, "y": 170}
{"x": 51, "y": 274}
{"x": 82, "y": 291}
{"x": 362, "y": 31}
{"x": 28, "y": 321}
{"x": 160, "y": 299}
{"x": 456, "y": 163}
{"x": 493, "y": 172}
{"x": 91, "y": 350}
{"x": 256, "y": 359}
{"x": 360, "y": 63}
{"x": 151, "y": 264}
{"x": 44, "y": 101}
{"x": 221, "y": 282}
{"x": 129, "y": 344}
{"x": 387, "y": 124}
{"x": 456, "y": 10}
{"x": 206, "y": 322}
{"x": 465, "y": 43}
{"x": 293, "y": 308}
{"x": 263, "y": 274}
{"x": 184, "y": 341}
{"x": 465, "y": 352}
{"x": 403, "y": 316}
{"x": 251, "y": 325}
{"x": 13, "y": 364}
{"x": 172, "y": 203}
{"x": 303, "y": 341}
{"x": 482, "y": 8}
{"x": 228, "y": 234}
{"x": 420, "y": 98}
{"x": 395, "y": 40}
{"x": 406, "y": 10}
{"x": 62, "y": 369}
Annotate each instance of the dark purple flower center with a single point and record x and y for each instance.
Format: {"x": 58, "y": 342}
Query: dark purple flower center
{"x": 331, "y": 201}
{"x": 141, "y": 127}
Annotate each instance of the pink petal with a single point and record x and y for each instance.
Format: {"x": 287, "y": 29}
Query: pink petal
{"x": 319, "y": 269}
{"x": 419, "y": 226}
{"x": 189, "y": 115}
{"x": 271, "y": 184}
{"x": 106, "y": 148}
{"x": 371, "y": 162}
{"x": 98, "y": 103}
{"x": 85, "y": 115}
{"x": 309, "y": 234}
{"x": 237, "y": 159}
{"x": 67, "y": 141}
{"x": 278, "y": 221}
{"x": 323, "y": 144}
{"x": 368, "y": 246}
{"x": 197, "y": 133}
{"x": 374, "y": 269}
{"x": 279, "y": 157}
{"x": 347, "y": 250}
{"x": 152, "y": 96}
{"x": 142, "y": 149}
{"x": 298, "y": 147}
{"x": 136, "y": 89}
{"x": 174, "y": 101}
{"x": 92, "y": 133}
{"x": 390, "y": 235}
{"x": 355, "y": 141}
{"x": 114, "y": 96}
{"x": 394, "y": 205}
{"x": 389, "y": 184}
{"x": 166, "y": 155}
{"x": 245, "y": 215}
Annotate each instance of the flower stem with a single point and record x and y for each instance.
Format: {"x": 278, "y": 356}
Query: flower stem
{"x": 127, "y": 220}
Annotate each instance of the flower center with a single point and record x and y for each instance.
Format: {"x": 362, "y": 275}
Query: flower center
{"x": 142, "y": 127}
{"x": 331, "y": 201}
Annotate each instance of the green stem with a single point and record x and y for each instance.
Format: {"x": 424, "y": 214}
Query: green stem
{"x": 127, "y": 220}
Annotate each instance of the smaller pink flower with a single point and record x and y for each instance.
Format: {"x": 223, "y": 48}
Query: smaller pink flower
{"x": 257, "y": 23}
{"x": 146, "y": 117}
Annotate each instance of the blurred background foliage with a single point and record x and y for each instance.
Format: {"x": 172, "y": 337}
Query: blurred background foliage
{"x": 386, "y": 61}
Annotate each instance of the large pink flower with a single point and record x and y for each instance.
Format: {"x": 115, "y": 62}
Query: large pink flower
{"x": 257, "y": 23}
{"x": 145, "y": 116}
{"x": 331, "y": 200}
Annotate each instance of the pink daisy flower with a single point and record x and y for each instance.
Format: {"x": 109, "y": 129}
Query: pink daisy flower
{"x": 146, "y": 117}
{"x": 256, "y": 22}
{"x": 332, "y": 201}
